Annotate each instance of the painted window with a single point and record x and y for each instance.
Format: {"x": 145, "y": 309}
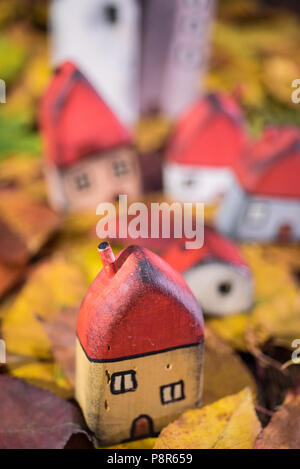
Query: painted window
{"x": 172, "y": 392}
{"x": 124, "y": 381}
{"x": 82, "y": 181}
{"x": 256, "y": 213}
{"x": 189, "y": 182}
{"x": 111, "y": 13}
{"x": 120, "y": 168}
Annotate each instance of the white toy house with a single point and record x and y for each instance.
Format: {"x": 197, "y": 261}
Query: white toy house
{"x": 138, "y": 54}
{"x": 264, "y": 202}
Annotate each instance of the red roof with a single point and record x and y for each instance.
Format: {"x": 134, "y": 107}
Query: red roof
{"x": 146, "y": 307}
{"x": 211, "y": 133}
{"x": 272, "y": 166}
{"x": 216, "y": 247}
{"x": 75, "y": 121}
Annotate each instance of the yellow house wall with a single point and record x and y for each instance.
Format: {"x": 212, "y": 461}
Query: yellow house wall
{"x": 110, "y": 416}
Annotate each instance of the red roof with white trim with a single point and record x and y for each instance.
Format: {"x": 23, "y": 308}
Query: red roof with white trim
{"x": 146, "y": 307}
{"x": 216, "y": 248}
{"x": 75, "y": 121}
{"x": 272, "y": 166}
{"x": 211, "y": 133}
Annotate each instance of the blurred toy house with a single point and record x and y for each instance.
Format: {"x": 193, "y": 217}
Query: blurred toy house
{"x": 89, "y": 153}
{"x": 138, "y": 54}
{"x": 207, "y": 143}
{"x": 263, "y": 204}
{"x": 217, "y": 274}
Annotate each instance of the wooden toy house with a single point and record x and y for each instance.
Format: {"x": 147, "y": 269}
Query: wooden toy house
{"x": 217, "y": 274}
{"x": 89, "y": 153}
{"x": 139, "y": 351}
{"x": 264, "y": 202}
{"x": 207, "y": 143}
{"x": 103, "y": 38}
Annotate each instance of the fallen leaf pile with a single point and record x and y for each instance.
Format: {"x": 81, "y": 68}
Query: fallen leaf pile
{"x": 47, "y": 261}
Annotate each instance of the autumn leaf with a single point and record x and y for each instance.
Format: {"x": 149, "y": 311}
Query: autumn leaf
{"x": 35, "y": 223}
{"x": 61, "y": 331}
{"x": 46, "y": 374}
{"x": 9, "y": 277}
{"x": 224, "y": 371}
{"x": 13, "y": 250}
{"x": 24, "y": 173}
{"x": 275, "y": 314}
{"x": 230, "y": 423}
{"x": 147, "y": 443}
{"x": 283, "y": 431}
{"x": 52, "y": 285}
{"x": 32, "y": 418}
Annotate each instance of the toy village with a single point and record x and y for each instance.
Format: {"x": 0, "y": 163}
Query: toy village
{"x": 116, "y": 330}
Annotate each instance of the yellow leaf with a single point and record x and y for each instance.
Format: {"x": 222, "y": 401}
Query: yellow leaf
{"x": 46, "y": 375}
{"x": 54, "y": 284}
{"x": 147, "y": 443}
{"x": 25, "y": 173}
{"x": 151, "y": 133}
{"x": 224, "y": 371}
{"x": 230, "y": 423}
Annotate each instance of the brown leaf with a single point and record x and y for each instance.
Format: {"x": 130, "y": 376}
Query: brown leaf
{"x": 224, "y": 371}
{"x": 9, "y": 277}
{"x": 283, "y": 431}
{"x": 61, "y": 331}
{"x": 13, "y": 250}
{"x": 32, "y": 418}
{"x": 32, "y": 221}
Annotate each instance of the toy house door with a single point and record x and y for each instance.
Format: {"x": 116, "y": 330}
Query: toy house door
{"x": 102, "y": 38}
{"x": 142, "y": 427}
{"x": 284, "y": 233}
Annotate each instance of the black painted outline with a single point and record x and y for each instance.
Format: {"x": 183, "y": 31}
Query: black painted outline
{"x": 122, "y": 374}
{"x": 130, "y": 357}
{"x": 172, "y": 385}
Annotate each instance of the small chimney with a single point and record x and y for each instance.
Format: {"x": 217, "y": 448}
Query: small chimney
{"x": 108, "y": 258}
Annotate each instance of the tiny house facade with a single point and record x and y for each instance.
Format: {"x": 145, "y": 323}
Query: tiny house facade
{"x": 264, "y": 202}
{"x": 206, "y": 145}
{"x": 89, "y": 156}
{"x": 139, "y": 348}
